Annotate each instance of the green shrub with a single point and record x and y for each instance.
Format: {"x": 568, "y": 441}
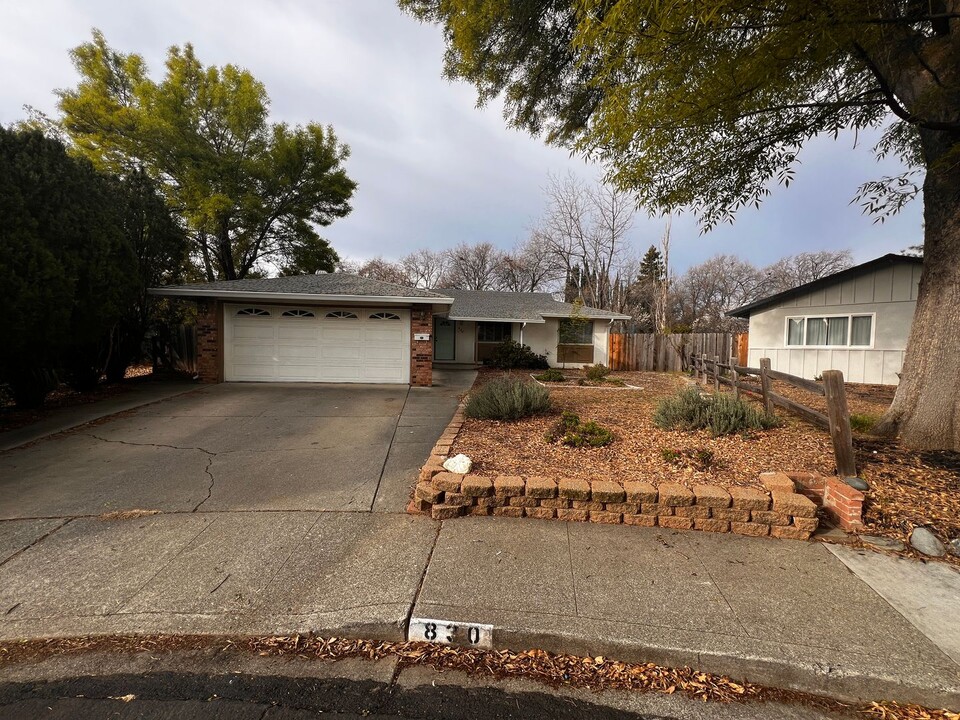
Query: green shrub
{"x": 507, "y": 398}
{"x": 721, "y": 414}
{"x": 510, "y": 354}
{"x": 550, "y": 375}
{"x": 571, "y": 430}
{"x": 863, "y": 422}
{"x": 597, "y": 373}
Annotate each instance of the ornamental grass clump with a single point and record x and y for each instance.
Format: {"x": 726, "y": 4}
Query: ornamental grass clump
{"x": 507, "y": 398}
{"x": 721, "y": 413}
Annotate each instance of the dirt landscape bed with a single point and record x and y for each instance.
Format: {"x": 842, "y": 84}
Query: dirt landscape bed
{"x": 908, "y": 488}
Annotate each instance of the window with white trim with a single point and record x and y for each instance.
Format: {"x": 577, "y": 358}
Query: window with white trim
{"x": 341, "y": 315}
{"x": 298, "y": 314}
{"x": 384, "y": 316}
{"x": 253, "y": 312}
{"x": 829, "y": 331}
{"x": 576, "y": 332}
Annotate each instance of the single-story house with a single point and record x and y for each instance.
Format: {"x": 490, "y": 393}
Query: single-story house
{"x": 348, "y": 329}
{"x": 856, "y": 321}
{"x": 479, "y": 320}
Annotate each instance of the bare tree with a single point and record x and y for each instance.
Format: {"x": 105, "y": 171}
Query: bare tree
{"x": 474, "y": 267}
{"x": 795, "y": 270}
{"x": 384, "y": 270}
{"x": 426, "y": 268}
{"x": 530, "y": 267}
{"x": 702, "y": 296}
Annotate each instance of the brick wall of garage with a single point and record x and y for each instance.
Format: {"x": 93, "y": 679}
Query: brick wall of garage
{"x": 421, "y": 351}
{"x": 210, "y": 341}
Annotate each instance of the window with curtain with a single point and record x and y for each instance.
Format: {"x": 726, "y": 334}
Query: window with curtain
{"x": 836, "y": 331}
{"x": 861, "y": 330}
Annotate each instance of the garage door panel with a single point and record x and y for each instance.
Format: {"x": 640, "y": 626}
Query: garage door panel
{"x": 257, "y": 330}
{"x": 314, "y": 348}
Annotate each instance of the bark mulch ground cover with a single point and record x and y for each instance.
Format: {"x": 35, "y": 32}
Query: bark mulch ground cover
{"x": 637, "y": 452}
{"x": 908, "y": 488}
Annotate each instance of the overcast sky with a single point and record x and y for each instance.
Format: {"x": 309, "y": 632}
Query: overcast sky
{"x": 432, "y": 169}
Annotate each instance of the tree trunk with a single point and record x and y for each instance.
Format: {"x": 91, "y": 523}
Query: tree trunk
{"x": 926, "y": 408}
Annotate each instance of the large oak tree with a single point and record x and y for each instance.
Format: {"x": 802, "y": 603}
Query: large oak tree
{"x": 703, "y": 104}
{"x": 249, "y": 189}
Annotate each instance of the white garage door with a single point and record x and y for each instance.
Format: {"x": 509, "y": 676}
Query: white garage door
{"x": 268, "y": 343}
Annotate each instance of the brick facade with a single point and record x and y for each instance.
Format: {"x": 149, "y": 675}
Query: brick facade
{"x": 421, "y": 351}
{"x": 210, "y": 341}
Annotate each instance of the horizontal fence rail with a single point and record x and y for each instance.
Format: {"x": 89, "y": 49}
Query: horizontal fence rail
{"x": 651, "y": 352}
{"x": 710, "y": 370}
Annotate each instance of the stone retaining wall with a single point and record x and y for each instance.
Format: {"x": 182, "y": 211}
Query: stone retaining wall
{"x": 786, "y": 508}
{"x": 747, "y": 511}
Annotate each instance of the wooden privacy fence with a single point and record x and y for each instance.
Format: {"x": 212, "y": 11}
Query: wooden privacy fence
{"x": 710, "y": 369}
{"x": 651, "y": 352}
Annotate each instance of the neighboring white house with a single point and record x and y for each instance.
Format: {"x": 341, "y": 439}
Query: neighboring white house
{"x": 856, "y": 321}
{"x": 479, "y": 320}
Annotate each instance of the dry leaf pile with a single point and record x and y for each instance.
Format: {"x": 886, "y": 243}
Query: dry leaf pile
{"x": 592, "y": 673}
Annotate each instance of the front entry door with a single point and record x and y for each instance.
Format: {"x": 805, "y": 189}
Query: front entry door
{"x": 444, "y": 339}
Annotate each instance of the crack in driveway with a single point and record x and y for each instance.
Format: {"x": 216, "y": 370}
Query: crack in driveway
{"x": 207, "y": 471}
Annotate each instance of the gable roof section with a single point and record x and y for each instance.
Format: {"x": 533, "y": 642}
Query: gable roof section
{"x": 329, "y": 286}
{"x": 497, "y": 306}
{"x": 880, "y": 262}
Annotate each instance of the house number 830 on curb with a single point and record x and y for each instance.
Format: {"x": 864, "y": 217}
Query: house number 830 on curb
{"x": 450, "y": 633}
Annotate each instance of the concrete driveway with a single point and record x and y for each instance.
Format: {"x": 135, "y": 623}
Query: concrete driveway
{"x": 237, "y": 447}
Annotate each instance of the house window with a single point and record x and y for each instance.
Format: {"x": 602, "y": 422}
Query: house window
{"x": 253, "y": 312}
{"x": 576, "y": 332}
{"x": 493, "y": 332}
{"x": 830, "y": 331}
{"x": 341, "y": 315}
{"x": 384, "y": 316}
{"x": 298, "y": 314}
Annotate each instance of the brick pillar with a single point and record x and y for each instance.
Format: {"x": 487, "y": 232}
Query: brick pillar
{"x": 421, "y": 351}
{"x": 843, "y": 504}
{"x": 210, "y": 341}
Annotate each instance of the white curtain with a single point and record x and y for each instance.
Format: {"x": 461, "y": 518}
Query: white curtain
{"x": 837, "y": 331}
{"x": 860, "y": 330}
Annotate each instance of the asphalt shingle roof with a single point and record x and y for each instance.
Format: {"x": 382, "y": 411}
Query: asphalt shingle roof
{"x": 514, "y": 306}
{"x": 325, "y": 284}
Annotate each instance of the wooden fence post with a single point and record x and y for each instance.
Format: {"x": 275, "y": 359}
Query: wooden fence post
{"x": 734, "y": 377}
{"x": 839, "y": 416}
{"x": 765, "y": 385}
{"x": 716, "y": 373}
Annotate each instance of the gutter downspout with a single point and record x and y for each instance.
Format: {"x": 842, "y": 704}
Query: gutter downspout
{"x": 522, "y": 326}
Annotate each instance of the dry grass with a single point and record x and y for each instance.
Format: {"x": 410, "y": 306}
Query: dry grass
{"x": 556, "y": 670}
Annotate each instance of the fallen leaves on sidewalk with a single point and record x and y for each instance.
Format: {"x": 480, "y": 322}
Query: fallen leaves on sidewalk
{"x": 592, "y": 673}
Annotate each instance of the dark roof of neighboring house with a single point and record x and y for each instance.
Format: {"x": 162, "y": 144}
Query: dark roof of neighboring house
{"x": 342, "y": 285}
{"x": 515, "y": 306}
{"x": 881, "y": 262}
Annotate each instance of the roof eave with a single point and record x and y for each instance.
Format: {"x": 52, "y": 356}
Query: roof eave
{"x": 464, "y": 318}
{"x": 611, "y": 316}
{"x": 302, "y": 297}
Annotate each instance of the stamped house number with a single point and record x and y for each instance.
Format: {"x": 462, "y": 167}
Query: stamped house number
{"x": 450, "y": 633}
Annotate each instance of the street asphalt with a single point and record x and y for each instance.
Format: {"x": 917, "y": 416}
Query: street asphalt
{"x": 277, "y": 509}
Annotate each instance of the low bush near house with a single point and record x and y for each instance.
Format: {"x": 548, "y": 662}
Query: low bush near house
{"x": 571, "y": 430}
{"x": 510, "y": 354}
{"x": 721, "y": 414}
{"x": 550, "y": 375}
{"x": 507, "y": 398}
{"x": 597, "y": 373}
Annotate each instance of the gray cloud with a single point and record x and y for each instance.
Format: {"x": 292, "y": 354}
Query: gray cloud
{"x": 432, "y": 169}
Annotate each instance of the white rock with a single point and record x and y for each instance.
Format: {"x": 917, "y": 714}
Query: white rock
{"x": 458, "y": 464}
